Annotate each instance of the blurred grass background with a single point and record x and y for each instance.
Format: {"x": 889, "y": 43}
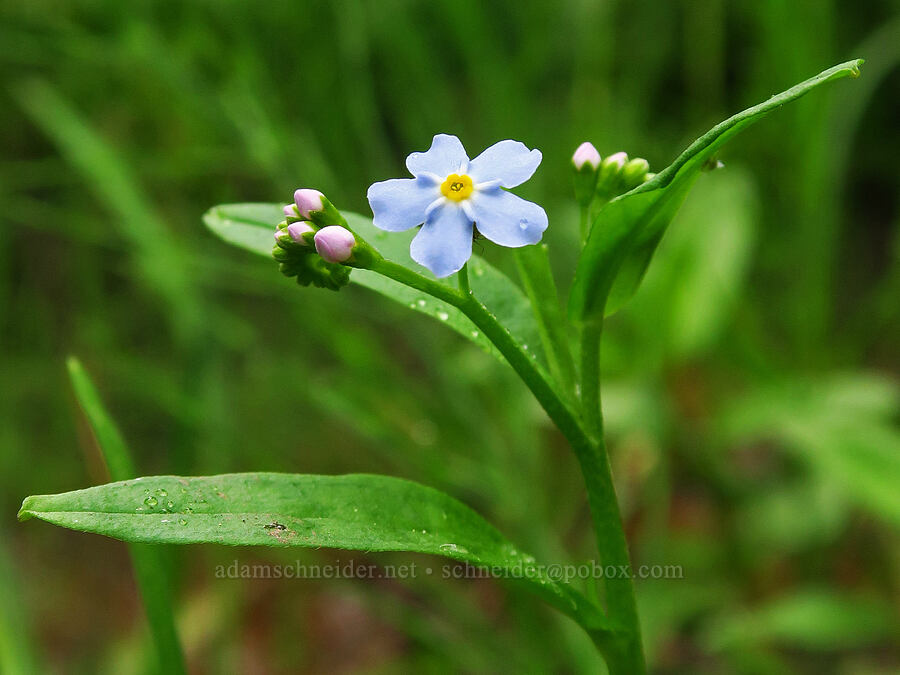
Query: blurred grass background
{"x": 751, "y": 387}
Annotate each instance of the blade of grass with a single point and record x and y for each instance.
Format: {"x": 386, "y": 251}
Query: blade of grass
{"x": 18, "y": 655}
{"x": 149, "y": 567}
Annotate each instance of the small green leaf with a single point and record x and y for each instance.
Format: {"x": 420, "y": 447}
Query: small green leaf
{"x": 251, "y": 226}
{"x": 358, "y": 512}
{"x": 627, "y": 231}
{"x": 537, "y": 277}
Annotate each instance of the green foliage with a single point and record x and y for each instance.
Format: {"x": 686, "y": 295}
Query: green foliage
{"x": 361, "y": 512}
{"x": 814, "y": 619}
{"x": 843, "y": 427}
{"x": 18, "y": 655}
{"x": 149, "y": 562}
{"x": 214, "y": 364}
{"x": 626, "y": 232}
{"x": 250, "y": 226}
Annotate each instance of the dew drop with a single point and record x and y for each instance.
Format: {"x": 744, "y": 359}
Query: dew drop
{"x": 182, "y": 521}
{"x": 453, "y": 548}
{"x": 523, "y": 224}
{"x": 162, "y": 493}
{"x": 420, "y": 302}
{"x": 443, "y": 316}
{"x": 151, "y": 501}
{"x": 170, "y": 505}
{"x": 474, "y": 333}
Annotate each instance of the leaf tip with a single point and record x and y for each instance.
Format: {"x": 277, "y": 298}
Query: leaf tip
{"x": 26, "y": 512}
{"x": 73, "y": 365}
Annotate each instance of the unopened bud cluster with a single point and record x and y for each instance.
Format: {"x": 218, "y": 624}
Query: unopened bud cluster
{"x": 312, "y": 243}
{"x": 605, "y": 178}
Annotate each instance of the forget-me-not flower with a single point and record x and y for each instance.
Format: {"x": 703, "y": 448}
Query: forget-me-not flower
{"x": 451, "y": 195}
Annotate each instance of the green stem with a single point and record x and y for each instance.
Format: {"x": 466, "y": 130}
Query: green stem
{"x": 621, "y": 649}
{"x": 590, "y": 377}
{"x": 583, "y": 224}
{"x": 595, "y": 467}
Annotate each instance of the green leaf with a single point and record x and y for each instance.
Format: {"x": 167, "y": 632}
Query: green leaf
{"x": 627, "y": 231}
{"x": 359, "y": 512}
{"x": 149, "y": 566}
{"x": 251, "y": 226}
{"x": 533, "y": 263}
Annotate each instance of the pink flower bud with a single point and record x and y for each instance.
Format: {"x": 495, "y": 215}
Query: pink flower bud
{"x": 618, "y": 160}
{"x": 297, "y": 230}
{"x": 279, "y": 234}
{"x": 586, "y": 153}
{"x": 289, "y": 211}
{"x": 335, "y": 243}
{"x": 307, "y": 201}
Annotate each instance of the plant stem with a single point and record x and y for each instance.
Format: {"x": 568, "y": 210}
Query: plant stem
{"x": 590, "y": 377}
{"x": 621, "y": 649}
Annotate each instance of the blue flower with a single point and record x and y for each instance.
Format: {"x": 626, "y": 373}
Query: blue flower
{"x": 451, "y": 195}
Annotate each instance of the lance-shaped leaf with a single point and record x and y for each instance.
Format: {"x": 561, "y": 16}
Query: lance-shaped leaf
{"x": 250, "y": 226}
{"x": 358, "y": 511}
{"x": 626, "y": 232}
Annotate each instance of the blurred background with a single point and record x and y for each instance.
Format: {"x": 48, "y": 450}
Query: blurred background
{"x": 751, "y": 387}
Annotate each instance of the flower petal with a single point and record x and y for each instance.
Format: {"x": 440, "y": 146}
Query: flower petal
{"x": 399, "y": 204}
{"x": 508, "y": 220}
{"x": 444, "y": 243}
{"x": 509, "y": 161}
{"x": 446, "y": 155}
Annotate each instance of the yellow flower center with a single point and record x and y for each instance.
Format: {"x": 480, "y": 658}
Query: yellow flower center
{"x": 457, "y": 187}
